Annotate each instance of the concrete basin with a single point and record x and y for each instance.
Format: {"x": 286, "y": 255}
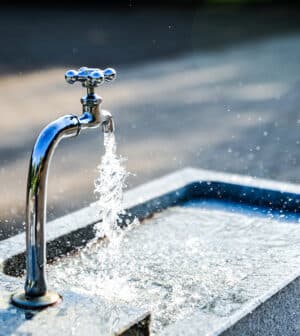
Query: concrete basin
{"x": 215, "y": 254}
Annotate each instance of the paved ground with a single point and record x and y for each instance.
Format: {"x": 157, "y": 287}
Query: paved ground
{"x": 206, "y": 88}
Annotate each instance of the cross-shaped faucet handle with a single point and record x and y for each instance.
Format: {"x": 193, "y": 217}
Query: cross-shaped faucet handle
{"x": 90, "y": 77}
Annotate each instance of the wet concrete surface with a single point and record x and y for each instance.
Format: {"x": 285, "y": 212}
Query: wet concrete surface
{"x": 214, "y": 89}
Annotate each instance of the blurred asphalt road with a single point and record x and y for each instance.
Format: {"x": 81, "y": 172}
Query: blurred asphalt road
{"x": 215, "y": 89}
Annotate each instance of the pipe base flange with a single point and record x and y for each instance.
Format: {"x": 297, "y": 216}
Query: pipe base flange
{"x": 49, "y": 299}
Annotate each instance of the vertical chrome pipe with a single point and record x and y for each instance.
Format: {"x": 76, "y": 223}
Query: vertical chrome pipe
{"x": 67, "y": 126}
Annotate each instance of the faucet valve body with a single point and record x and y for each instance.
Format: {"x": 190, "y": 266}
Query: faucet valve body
{"x": 90, "y": 78}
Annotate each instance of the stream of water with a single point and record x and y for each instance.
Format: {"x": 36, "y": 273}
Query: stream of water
{"x": 109, "y": 187}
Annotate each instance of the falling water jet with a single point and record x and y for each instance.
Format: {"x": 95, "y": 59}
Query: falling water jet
{"x": 109, "y": 187}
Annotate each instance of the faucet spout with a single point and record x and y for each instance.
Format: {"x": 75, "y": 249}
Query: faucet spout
{"x": 108, "y": 124}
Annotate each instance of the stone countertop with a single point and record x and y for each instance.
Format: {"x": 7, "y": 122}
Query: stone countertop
{"x": 75, "y": 315}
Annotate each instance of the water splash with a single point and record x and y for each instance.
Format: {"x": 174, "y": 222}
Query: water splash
{"x": 109, "y": 187}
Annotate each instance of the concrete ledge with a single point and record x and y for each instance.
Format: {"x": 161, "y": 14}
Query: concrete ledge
{"x": 154, "y": 196}
{"x": 143, "y": 201}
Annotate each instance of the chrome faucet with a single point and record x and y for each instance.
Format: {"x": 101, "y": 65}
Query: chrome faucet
{"x": 36, "y": 294}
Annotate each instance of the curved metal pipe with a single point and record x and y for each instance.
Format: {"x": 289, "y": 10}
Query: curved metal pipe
{"x": 50, "y": 136}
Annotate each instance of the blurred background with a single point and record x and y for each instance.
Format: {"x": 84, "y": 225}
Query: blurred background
{"x": 209, "y": 84}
